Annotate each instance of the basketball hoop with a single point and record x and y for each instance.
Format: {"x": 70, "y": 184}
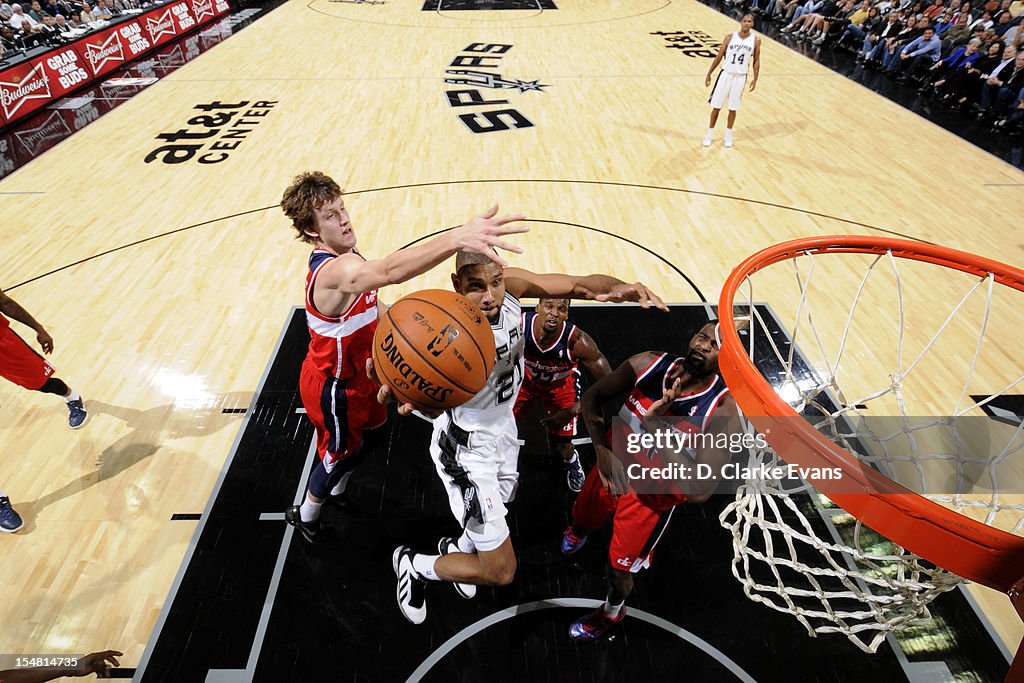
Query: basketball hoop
{"x": 887, "y": 475}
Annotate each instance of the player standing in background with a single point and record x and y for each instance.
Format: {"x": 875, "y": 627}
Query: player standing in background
{"x": 741, "y": 52}
{"x": 20, "y": 364}
{"x": 341, "y": 311}
{"x": 553, "y": 351}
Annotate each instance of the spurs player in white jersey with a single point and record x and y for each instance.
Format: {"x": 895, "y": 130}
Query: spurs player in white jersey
{"x": 739, "y": 53}
{"x": 475, "y": 446}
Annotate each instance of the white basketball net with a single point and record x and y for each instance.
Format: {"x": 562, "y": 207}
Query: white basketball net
{"x": 790, "y": 553}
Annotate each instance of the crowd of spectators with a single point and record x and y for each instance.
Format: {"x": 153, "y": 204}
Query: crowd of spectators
{"x": 961, "y": 55}
{"x": 54, "y": 22}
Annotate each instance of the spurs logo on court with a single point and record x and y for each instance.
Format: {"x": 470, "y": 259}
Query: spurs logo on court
{"x": 164, "y": 24}
{"x": 33, "y": 86}
{"x": 478, "y": 69}
{"x": 443, "y": 340}
{"x": 110, "y": 50}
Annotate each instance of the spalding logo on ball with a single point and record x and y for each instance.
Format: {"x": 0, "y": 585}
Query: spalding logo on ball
{"x": 434, "y": 349}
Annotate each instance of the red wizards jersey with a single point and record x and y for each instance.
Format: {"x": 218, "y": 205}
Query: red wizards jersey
{"x": 691, "y": 413}
{"x": 339, "y": 346}
{"x": 552, "y": 363}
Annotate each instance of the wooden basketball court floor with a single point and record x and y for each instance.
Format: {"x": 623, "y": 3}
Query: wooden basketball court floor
{"x": 165, "y": 285}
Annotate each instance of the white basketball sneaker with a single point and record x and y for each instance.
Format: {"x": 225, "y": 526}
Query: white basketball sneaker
{"x": 706, "y": 142}
{"x": 728, "y": 139}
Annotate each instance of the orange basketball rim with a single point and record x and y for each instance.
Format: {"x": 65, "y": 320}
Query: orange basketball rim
{"x": 964, "y": 546}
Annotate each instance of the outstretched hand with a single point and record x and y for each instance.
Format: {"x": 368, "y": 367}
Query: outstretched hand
{"x": 482, "y": 234}
{"x": 98, "y": 663}
{"x": 668, "y": 396}
{"x": 632, "y": 292}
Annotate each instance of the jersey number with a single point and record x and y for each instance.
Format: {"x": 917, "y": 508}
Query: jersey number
{"x": 508, "y": 382}
{"x": 738, "y": 57}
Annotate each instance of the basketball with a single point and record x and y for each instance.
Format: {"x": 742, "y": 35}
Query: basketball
{"x": 434, "y": 349}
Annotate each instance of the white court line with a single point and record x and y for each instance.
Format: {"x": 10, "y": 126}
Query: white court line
{"x": 586, "y": 603}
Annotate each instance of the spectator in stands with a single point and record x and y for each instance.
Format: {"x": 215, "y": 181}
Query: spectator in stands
{"x": 933, "y": 10}
{"x": 911, "y": 30}
{"x": 959, "y": 34}
{"x": 1003, "y": 83}
{"x": 874, "y": 41}
{"x": 942, "y": 23}
{"x": 1014, "y": 123}
{"x": 855, "y": 33}
{"x": 101, "y": 11}
{"x": 849, "y": 12}
{"x": 62, "y": 24}
{"x": 36, "y": 11}
{"x": 86, "y": 16}
{"x": 5, "y": 12}
{"x": 7, "y": 39}
{"x": 985, "y": 21}
{"x": 959, "y": 60}
{"x": 919, "y": 55}
{"x": 20, "y": 21}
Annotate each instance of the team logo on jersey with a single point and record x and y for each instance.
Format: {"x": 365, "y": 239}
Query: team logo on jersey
{"x": 693, "y": 411}
{"x": 475, "y": 69}
{"x": 443, "y": 340}
{"x": 624, "y": 561}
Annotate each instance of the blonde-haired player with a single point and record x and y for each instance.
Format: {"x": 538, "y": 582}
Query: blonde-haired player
{"x": 740, "y": 51}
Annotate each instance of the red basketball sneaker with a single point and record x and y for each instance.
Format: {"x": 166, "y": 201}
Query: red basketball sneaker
{"x": 594, "y": 625}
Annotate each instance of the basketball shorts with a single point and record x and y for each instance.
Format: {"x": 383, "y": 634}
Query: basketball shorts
{"x": 636, "y": 526}
{"x": 340, "y": 411}
{"x": 728, "y": 87}
{"x": 19, "y": 362}
{"x": 480, "y": 474}
{"x": 554, "y": 397}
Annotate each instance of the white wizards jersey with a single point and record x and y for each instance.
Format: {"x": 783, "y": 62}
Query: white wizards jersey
{"x": 490, "y": 411}
{"x": 739, "y": 54}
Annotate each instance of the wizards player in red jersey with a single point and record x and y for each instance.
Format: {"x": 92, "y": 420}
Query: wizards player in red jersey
{"x": 553, "y": 349}
{"x": 663, "y": 393}
{"x": 19, "y": 363}
{"x": 341, "y": 311}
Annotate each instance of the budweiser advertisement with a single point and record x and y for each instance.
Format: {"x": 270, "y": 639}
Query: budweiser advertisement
{"x": 26, "y": 87}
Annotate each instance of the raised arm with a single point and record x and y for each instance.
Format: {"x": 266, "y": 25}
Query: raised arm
{"x": 614, "y": 385}
{"x": 350, "y": 274}
{"x": 522, "y": 283}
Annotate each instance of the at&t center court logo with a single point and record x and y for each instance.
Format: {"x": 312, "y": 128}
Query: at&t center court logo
{"x": 477, "y": 67}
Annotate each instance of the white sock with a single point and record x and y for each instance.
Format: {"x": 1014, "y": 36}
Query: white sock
{"x": 73, "y": 396}
{"x": 3, "y": 494}
{"x": 309, "y": 511}
{"x": 423, "y": 565}
{"x": 465, "y": 544}
{"x": 711, "y": 131}
{"x": 728, "y": 131}
{"x": 340, "y": 487}
{"x": 612, "y": 611}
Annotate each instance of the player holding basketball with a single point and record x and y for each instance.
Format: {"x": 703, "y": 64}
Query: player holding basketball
{"x": 741, "y": 51}
{"x": 20, "y": 364}
{"x": 664, "y": 393}
{"x": 554, "y": 348}
{"x": 341, "y": 311}
{"x": 475, "y": 446}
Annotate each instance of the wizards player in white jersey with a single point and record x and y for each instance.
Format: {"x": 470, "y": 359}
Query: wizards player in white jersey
{"x": 739, "y": 53}
{"x": 664, "y": 393}
{"x": 475, "y": 446}
{"x": 341, "y": 310}
{"x": 554, "y": 349}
